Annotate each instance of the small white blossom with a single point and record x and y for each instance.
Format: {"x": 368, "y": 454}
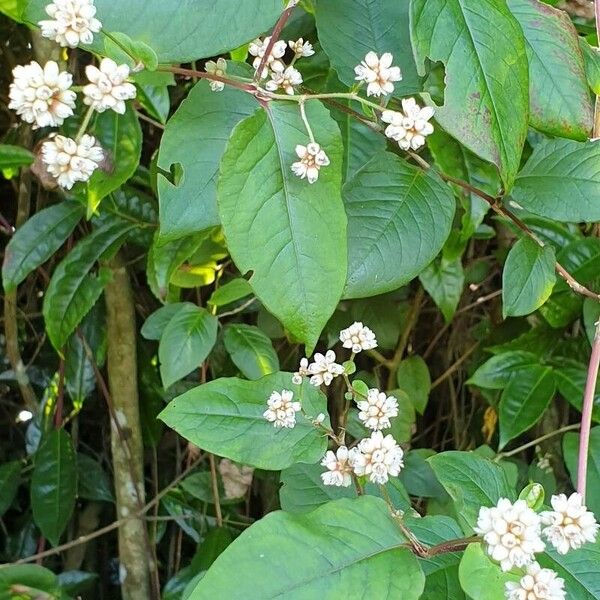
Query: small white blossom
{"x": 286, "y": 80}
{"x": 108, "y": 87}
{"x": 312, "y": 158}
{"x": 358, "y": 337}
{"x": 378, "y": 457}
{"x": 339, "y": 467}
{"x": 570, "y": 524}
{"x": 236, "y": 478}
{"x": 258, "y": 48}
{"x": 301, "y": 48}
{"x": 301, "y": 372}
{"x": 324, "y": 369}
{"x": 378, "y": 73}
{"x": 536, "y": 584}
{"x": 216, "y": 68}
{"x": 377, "y": 410}
{"x": 511, "y": 533}
{"x": 319, "y": 419}
{"x": 282, "y": 410}
{"x": 410, "y": 128}
{"x": 69, "y": 161}
{"x": 41, "y": 96}
{"x": 72, "y": 22}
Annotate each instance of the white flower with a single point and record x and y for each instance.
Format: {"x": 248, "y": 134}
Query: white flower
{"x": 312, "y": 158}
{"x": 258, "y": 48}
{"x": 536, "y": 584}
{"x": 378, "y": 73}
{"x": 377, "y": 409}
{"x": 282, "y": 411}
{"x": 108, "y": 88}
{"x": 69, "y": 161}
{"x": 570, "y": 524}
{"x": 301, "y": 372}
{"x": 378, "y": 457}
{"x": 410, "y": 128}
{"x": 511, "y": 533}
{"x": 216, "y": 68}
{"x": 324, "y": 369}
{"x": 286, "y": 80}
{"x": 339, "y": 467}
{"x": 41, "y": 96}
{"x": 319, "y": 419}
{"x": 358, "y": 337}
{"x": 301, "y": 48}
{"x": 236, "y": 478}
{"x": 72, "y": 22}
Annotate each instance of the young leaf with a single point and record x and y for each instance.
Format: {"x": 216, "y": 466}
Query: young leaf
{"x": 185, "y": 343}
{"x": 14, "y": 156}
{"x": 350, "y": 549}
{"x": 251, "y": 350}
{"x": 37, "y": 240}
{"x": 486, "y": 99}
{"x": 54, "y": 484}
{"x": 272, "y": 218}
{"x": 233, "y": 290}
{"x": 225, "y": 417}
{"x": 399, "y": 217}
{"x": 528, "y": 277}
{"x": 413, "y": 378}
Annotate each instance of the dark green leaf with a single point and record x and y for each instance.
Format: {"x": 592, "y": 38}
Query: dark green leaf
{"x": 14, "y": 156}
{"x": 417, "y": 475}
{"x": 570, "y": 380}
{"x": 571, "y": 454}
{"x": 155, "y": 324}
{"x": 496, "y": 372}
{"x": 251, "y": 350}
{"x": 10, "y": 477}
{"x": 93, "y": 483}
{"x": 444, "y": 280}
{"x": 41, "y": 580}
{"x": 591, "y": 59}
{"x": 232, "y": 291}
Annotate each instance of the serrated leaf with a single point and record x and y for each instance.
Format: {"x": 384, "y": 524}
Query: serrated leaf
{"x": 413, "y": 378}
{"x": 185, "y": 342}
{"x": 495, "y": 373}
{"x": 54, "y": 484}
{"x": 399, "y": 217}
{"x": 250, "y": 350}
{"x": 14, "y": 156}
{"x": 289, "y": 233}
{"x": 486, "y": 99}
{"x": 225, "y": 417}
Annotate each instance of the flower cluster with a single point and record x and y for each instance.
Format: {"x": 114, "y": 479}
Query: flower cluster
{"x": 218, "y": 68}
{"x": 536, "y": 584}
{"x": 378, "y": 73}
{"x": 282, "y": 409}
{"x": 377, "y": 409}
{"x": 72, "y": 22}
{"x": 312, "y": 158}
{"x": 357, "y": 337}
{"x": 410, "y": 127}
{"x": 108, "y": 87}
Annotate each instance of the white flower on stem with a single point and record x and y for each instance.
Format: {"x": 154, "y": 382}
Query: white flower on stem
{"x": 570, "y": 524}
{"x": 511, "y": 533}
{"x": 108, "y": 87}
{"x": 286, "y": 80}
{"x": 41, "y": 96}
{"x": 410, "y": 128}
{"x": 339, "y": 467}
{"x": 301, "y": 372}
{"x": 282, "y": 409}
{"x": 301, "y": 48}
{"x": 358, "y": 337}
{"x": 216, "y": 68}
{"x": 312, "y": 158}
{"x": 69, "y": 161}
{"x": 258, "y": 48}
{"x": 324, "y": 369}
{"x": 378, "y": 458}
{"x": 536, "y": 584}
{"x": 72, "y": 22}
{"x": 378, "y": 74}
{"x": 377, "y": 410}
{"x": 236, "y": 478}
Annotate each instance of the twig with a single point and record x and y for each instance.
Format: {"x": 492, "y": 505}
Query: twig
{"x": 215, "y": 489}
{"x": 237, "y": 310}
{"x": 454, "y": 366}
{"x": 247, "y": 87}
{"x": 535, "y": 442}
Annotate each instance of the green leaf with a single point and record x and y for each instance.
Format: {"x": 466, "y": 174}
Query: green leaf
{"x": 185, "y": 343}
{"x": 496, "y": 372}
{"x": 232, "y": 291}
{"x": 121, "y": 139}
{"x": 367, "y": 26}
{"x": 524, "y": 400}
{"x": 271, "y": 218}
{"x": 528, "y": 277}
{"x": 122, "y": 49}
{"x": 418, "y": 477}
{"x": 37, "y": 240}
{"x": 570, "y": 381}
{"x": 399, "y": 217}
{"x": 571, "y": 454}
{"x": 155, "y": 324}
{"x": 591, "y": 59}
{"x": 10, "y": 477}
{"x": 559, "y": 170}
{"x": 350, "y": 548}
{"x": 197, "y": 29}
{"x": 251, "y": 350}
{"x": 73, "y": 290}
{"x": 14, "y": 156}
{"x": 559, "y": 99}
{"x": 40, "y": 580}
{"x": 486, "y": 99}
{"x": 414, "y": 379}
{"x": 193, "y": 142}
{"x": 225, "y": 417}
{"x": 404, "y": 424}
{"x": 54, "y": 484}
{"x": 472, "y": 482}
{"x": 93, "y": 483}
{"x": 443, "y": 280}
